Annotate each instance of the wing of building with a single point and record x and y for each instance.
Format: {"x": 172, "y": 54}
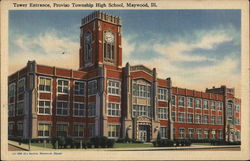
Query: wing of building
{"x": 103, "y": 98}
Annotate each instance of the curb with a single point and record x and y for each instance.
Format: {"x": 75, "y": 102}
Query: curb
{"x": 18, "y": 147}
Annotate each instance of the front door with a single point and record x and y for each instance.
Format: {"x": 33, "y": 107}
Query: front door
{"x": 144, "y": 134}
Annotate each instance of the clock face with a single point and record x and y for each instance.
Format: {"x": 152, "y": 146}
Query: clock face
{"x": 109, "y": 37}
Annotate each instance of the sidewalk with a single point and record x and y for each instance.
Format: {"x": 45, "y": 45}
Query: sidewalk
{"x": 36, "y": 148}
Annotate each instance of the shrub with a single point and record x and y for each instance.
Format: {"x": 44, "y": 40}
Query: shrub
{"x": 110, "y": 143}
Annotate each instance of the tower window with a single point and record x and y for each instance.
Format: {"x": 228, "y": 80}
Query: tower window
{"x": 109, "y": 46}
{"x": 87, "y": 48}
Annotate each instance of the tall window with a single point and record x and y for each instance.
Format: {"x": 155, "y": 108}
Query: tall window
{"x": 10, "y": 129}
{"x": 213, "y": 105}
{"x": 181, "y": 133}
{"x": 63, "y": 86}
{"x": 220, "y": 120}
{"x": 87, "y": 47}
{"x": 190, "y": 102}
{"x": 91, "y": 109}
{"x": 206, "y": 134}
{"x": 44, "y": 129}
{"x": 213, "y": 120}
{"x": 220, "y": 134}
{"x": 44, "y": 84}
{"x": 19, "y": 128}
{"x": 140, "y": 110}
{"x": 20, "y": 108}
{"x": 205, "y": 119}
{"x": 79, "y": 109}
{"x": 199, "y": 133}
{"x": 109, "y": 46}
{"x": 173, "y": 100}
{"x": 21, "y": 85}
{"x": 163, "y": 131}
{"x": 205, "y": 104}
{"x": 142, "y": 91}
{"x": 197, "y": 119}
{"x": 11, "y": 110}
{"x": 114, "y": 130}
{"x": 162, "y": 94}
{"x": 220, "y": 105}
{"x": 191, "y": 133}
{"x": 180, "y": 101}
{"x": 237, "y": 108}
{"x": 190, "y": 118}
{"x": 114, "y": 109}
{"x": 62, "y": 108}
{"x": 79, "y": 88}
{"x": 173, "y": 116}
{"x": 12, "y": 89}
{"x": 91, "y": 130}
{"x": 181, "y": 117}
{"x": 62, "y": 129}
{"x": 213, "y": 134}
{"x": 92, "y": 87}
{"x": 78, "y": 130}
{"x": 44, "y": 107}
{"x": 237, "y": 121}
{"x": 162, "y": 113}
{"x": 198, "y": 103}
{"x": 113, "y": 87}
{"x": 230, "y": 110}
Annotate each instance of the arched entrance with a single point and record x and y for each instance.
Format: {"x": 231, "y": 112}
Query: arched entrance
{"x": 143, "y": 128}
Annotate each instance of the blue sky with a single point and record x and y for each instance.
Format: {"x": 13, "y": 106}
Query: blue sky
{"x": 196, "y": 48}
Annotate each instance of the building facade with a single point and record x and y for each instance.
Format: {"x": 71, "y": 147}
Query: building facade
{"x": 103, "y": 98}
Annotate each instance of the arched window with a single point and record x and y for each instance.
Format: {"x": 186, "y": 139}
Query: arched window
{"x": 87, "y": 47}
{"x": 109, "y": 46}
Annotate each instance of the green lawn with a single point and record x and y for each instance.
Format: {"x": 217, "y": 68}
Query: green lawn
{"x": 48, "y": 145}
{"x": 201, "y": 144}
{"x": 132, "y": 145}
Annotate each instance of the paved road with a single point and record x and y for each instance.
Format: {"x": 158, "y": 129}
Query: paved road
{"x": 14, "y": 148}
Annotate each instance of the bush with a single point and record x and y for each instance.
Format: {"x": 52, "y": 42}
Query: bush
{"x": 110, "y": 143}
{"x": 171, "y": 143}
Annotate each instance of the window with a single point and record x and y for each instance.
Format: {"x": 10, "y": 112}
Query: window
{"x": 162, "y": 113}
{"x": 180, "y": 101}
{"x": 62, "y": 108}
{"x": 181, "y": 117}
{"x": 198, "y": 103}
{"x": 87, "y": 48}
{"x": 20, "y": 108}
{"x": 63, "y": 86}
{"x": 190, "y": 118}
{"x": 205, "y": 104}
{"x": 44, "y": 107}
{"x": 62, "y": 129}
{"x": 220, "y": 106}
{"x": 113, "y": 130}
{"x": 190, "y": 102}
{"x": 91, "y": 110}
{"x": 220, "y": 120}
{"x": 205, "y": 117}
{"x": 213, "y": 120}
{"x": 173, "y": 100}
{"x": 181, "y": 133}
{"x": 109, "y": 46}
{"x": 237, "y": 133}
{"x": 44, "y": 84}
{"x": 237, "y": 121}
{"x": 140, "y": 110}
{"x": 11, "y": 110}
{"x": 191, "y": 133}
{"x": 213, "y": 134}
{"x": 162, "y": 94}
{"x": 21, "y": 85}
{"x": 91, "y": 130}
{"x": 197, "y": 119}
{"x": 19, "y": 129}
{"x": 220, "y": 134}
{"x": 113, "y": 87}
{"x": 92, "y": 87}
{"x": 230, "y": 110}
{"x": 237, "y": 108}
{"x": 12, "y": 89}
{"x": 78, "y": 130}
{"x": 206, "y": 134}
{"x": 142, "y": 91}
{"x": 199, "y": 133}
{"x": 79, "y": 88}
{"x": 163, "y": 132}
{"x": 10, "y": 129}
{"x": 213, "y": 105}
{"x": 173, "y": 116}
{"x": 78, "y": 109}
{"x": 114, "y": 109}
{"x": 44, "y": 129}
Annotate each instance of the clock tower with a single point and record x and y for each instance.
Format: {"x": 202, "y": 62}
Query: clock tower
{"x": 100, "y": 41}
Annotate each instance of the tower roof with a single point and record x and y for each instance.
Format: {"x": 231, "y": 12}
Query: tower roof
{"x": 101, "y": 16}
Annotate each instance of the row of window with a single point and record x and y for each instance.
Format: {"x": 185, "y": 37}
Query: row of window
{"x": 189, "y": 133}
{"x": 20, "y": 87}
{"x": 198, "y": 103}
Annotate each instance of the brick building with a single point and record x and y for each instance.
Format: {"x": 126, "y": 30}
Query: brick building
{"x": 105, "y": 98}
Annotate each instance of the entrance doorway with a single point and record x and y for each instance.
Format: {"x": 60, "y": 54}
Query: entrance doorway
{"x": 144, "y": 133}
